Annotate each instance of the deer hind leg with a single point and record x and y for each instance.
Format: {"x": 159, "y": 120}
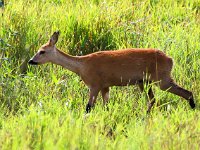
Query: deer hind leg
{"x": 105, "y": 95}
{"x": 93, "y": 96}
{"x": 150, "y": 96}
{"x": 172, "y": 87}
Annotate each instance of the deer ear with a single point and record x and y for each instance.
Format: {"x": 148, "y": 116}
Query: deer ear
{"x": 54, "y": 38}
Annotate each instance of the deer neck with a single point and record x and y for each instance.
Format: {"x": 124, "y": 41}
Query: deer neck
{"x": 72, "y": 63}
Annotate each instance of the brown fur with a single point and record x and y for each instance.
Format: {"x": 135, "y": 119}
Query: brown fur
{"x": 124, "y": 67}
{"x": 104, "y": 69}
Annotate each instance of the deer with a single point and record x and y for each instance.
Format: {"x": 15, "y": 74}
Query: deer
{"x": 104, "y": 69}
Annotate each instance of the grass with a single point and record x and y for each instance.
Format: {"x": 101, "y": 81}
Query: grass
{"x": 43, "y": 107}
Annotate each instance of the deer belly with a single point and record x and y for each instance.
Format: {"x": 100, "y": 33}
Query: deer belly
{"x": 121, "y": 80}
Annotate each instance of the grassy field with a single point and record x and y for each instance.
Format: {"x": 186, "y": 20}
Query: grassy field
{"x": 42, "y": 107}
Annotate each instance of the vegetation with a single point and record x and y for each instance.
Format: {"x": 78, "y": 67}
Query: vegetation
{"x": 42, "y": 107}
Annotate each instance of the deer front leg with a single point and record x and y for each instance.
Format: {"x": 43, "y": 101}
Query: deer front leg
{"x": 105, "y": 95}
{"x": 93, "y": 96}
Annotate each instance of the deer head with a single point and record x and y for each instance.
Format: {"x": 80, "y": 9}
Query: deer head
{"x": 47, "y": 52}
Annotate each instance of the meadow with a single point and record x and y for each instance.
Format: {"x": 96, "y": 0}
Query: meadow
{"x": 43, "y": 107}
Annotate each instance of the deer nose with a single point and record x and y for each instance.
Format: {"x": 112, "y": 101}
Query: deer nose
{"x": 31, "y": 62}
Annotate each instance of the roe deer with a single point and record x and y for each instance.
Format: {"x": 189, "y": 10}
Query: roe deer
{"x": 101, "y": 70}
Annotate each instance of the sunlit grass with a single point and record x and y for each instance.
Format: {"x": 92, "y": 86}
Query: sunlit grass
{"x": 43, "y": 107}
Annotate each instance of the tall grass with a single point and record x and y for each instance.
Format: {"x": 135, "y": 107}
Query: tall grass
{"x": 43, "y": 107}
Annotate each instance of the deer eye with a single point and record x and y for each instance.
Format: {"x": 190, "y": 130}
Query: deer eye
{"x": 41, "y": 52}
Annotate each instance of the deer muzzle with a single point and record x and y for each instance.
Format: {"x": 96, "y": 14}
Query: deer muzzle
{"x": 31, "y": 62}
